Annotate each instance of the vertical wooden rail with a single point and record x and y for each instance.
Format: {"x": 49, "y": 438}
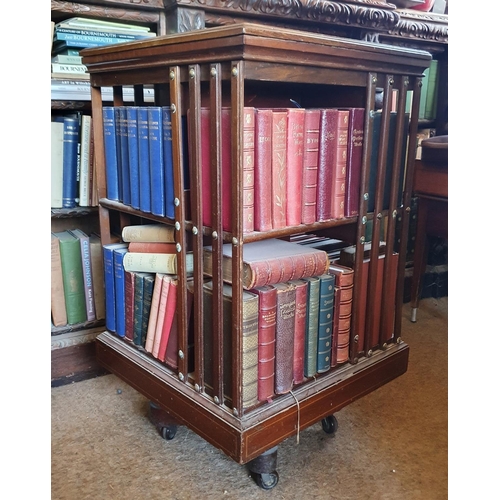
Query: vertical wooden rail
{"x": 217, "y": 233}
{"x": 408, "y": 188}
{"x": 355, "y": 343}
{"x": 377, "y": 215}
{"x": 180, "y": 217}
{"x": 194, "y": 142}
{"x": 237, "y": 103}
{"x": 387, "y": 320}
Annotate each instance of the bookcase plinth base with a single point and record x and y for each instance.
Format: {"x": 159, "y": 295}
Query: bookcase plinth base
{"x": 257, "y": 431}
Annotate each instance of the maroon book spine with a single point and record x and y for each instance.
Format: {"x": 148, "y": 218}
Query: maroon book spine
{"x": 248, "y": 169}
{"x": 340, "y": 163}
{"x": 354, "y": 160}
{"x": 325, "y": 164}
{"x": 294, "y": 165}
{"x": 310, "y": 165}
{"x": 299, "y": 339}
{"x": 263, "y": 170}
{"x": 266, "y": 341}
{"x": 278, "y": 199}
{"x": 285, "y": 327}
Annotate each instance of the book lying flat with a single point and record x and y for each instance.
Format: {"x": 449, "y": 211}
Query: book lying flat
{"x": 270, "y": 261}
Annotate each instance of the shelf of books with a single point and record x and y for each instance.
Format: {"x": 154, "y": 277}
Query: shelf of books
{"x": 248, "y": 222}
{"x": 77, "y": 286}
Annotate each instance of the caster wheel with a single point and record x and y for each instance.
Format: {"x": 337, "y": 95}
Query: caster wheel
{"x": 266, "y": 481}
{"x": 168, "y": 432}
{"x": 330, "y": 424}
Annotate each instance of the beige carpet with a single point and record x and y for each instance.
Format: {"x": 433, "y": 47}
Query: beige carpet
{"x": 391, "y": 445}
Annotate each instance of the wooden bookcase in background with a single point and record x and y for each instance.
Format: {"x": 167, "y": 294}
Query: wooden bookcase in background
{"x": 235, "y": 65}
{"x": 73, "y": 346}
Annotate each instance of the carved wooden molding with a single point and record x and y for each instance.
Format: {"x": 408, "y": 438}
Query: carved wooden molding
{"x": 366, "y": 14}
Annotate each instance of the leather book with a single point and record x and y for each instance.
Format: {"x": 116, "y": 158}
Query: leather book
{"x": 344, "y": 285}
{"x": 160, "y": 320}
{"x": 310, "y": 165}
{"x": 129, "y": 305}
{"x": 151, "y": 247}
{"x": 119, "y": 270}
{"x": 140, "y": 335}
{"x": 325, "y": 322}
{"x": 169, "y": 318}
{"x": 300, "y": 330}
{"x": 326, "y": 152}
{"x": 271, "y": 261}
{"x": 263, "y": 169}
{"x": 109, "y": 283}
{"x": 278, "y": 166}
{"x": 155, "y": 130}
{"x": 122, "y": 144}
{"x": 248, "y": 169}
{"x": 340, "y": 163}
{"x": 250, "y": 330}
{"x": 137, "y": 304}
{"x": 285, "y": 328}
{"x": 311, "y": 334}
{"x": 266, "y": 341}
{"x": 354, "y": 161}
{"x": 294, "y": 165}
{"x": 153, "y": 314}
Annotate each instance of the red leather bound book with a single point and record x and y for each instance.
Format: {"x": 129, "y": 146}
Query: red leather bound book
{"x": 248, "y": 169}
{"x": 271, "y": 261}
{"x": 344, "y": 282}
{"x": 285, "y": 327}
{"x": 301, "y": 290}
{"x": 278, "y": 184}
{"x": 169, "y": 318}
{"x": 263, "y": 169}
{"x": 151, "y": 247}
{"x": 294, "y": 165}
{"x": 310, "y": 166}
{"x": 340, "y": 163}
{"x": 267, "y": 341}
{"x": 354, "y": 160}
{"x": 326, "y": 152}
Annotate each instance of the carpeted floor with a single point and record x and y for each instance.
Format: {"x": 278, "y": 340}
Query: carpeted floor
{"x": 390, "y": 445}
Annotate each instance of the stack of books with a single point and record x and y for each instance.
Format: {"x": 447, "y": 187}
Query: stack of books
{"x": 70, "y": 80}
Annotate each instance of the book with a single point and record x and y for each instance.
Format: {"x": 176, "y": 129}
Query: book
{"x": 310, "y": 165}
{"x": 111, "y": 157}
{"x": 88, "y": 281}
{"x": 294, "y": 165}
{"x": 66, "y": 59}
{"x": 271, "y": 261}
{"x": 248, "y": 189}
{"x": 137, "y": 302}
{"x": 153, "y": 313}
{"x": 144, "y": 290}
{"x": 168, "y": 322}
{"x": 160, "y": 320}
{"x": 56, "y": 164}
{"x": 165, "y": 263}
{"x": 278, "y": 169}
{"x": 285, "y": 328}
{"x": 156, "y": 166}
{"x": 67, "y": 70}
{"x": 151, "y": 247}
{"x": 122, "y": 145}
{"x": 249, "y": 354}
{"x": 311, "y": 334}
{"x": 168, "y": 164}
{"x": 98, "y": 36}
{"x": 263, "y": 169}
{"x": 119, "y": 276}
{"x": 340, "y": 163}
{"x": 129, "y": 304}
{"x": 143, "y": 158}
{"x": 299, "y": 337}
{"x": 100, "y": 24}
{"x": 266, "y": 341}
{"x": 109, "y": 283}
{"x": 354, "y": 161}
{"x": 96, "y": 259}
{"x": 344, "y": 286}
{"x": 149, "y": 232}
{"x": 85, "y": 165}
{"x": 133, "y": 155}
{"x": 72, "y": 274}
{"x": 57, "y": 300}
{"x": 325, "y": 322}
{"x": 326, "y": 155}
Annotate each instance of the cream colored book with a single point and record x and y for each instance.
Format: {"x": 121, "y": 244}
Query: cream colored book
{"x": 155, "y": 262}
{"x": 149, "y": 232}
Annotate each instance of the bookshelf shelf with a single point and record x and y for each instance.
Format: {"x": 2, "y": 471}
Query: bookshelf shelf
{"x": 237, "y": 66}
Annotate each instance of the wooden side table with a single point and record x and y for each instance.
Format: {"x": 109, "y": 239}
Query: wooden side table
{"x": 430, "y": 185}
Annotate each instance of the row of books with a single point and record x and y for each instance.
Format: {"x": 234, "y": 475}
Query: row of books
{"x": 300, "y": 165}
{"x": 77, "y": 286}
{"x": 73, "y": 179}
